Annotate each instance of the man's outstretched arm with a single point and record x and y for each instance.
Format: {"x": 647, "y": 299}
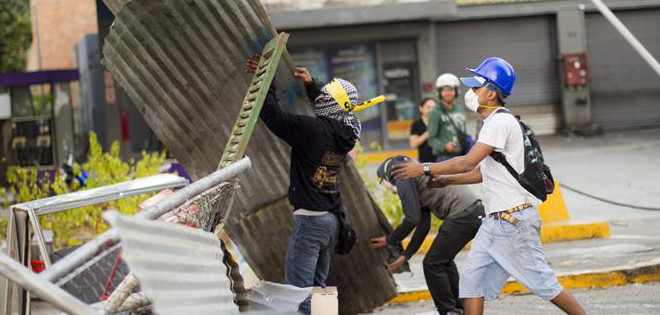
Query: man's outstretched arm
{"x": 457, "y": 165}
{"x": 471, "y": 177}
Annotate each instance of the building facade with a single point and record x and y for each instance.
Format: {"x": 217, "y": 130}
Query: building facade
{"x": 400, "y": 48}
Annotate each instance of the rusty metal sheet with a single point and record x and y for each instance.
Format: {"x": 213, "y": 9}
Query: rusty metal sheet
{"x": 182, "y": 64}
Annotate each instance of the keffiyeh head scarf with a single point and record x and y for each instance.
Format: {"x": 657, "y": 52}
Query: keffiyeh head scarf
{"x": 326, "y": 105}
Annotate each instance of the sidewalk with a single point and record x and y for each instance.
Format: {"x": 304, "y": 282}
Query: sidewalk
{"x": 620, "y": 166}
{"x": 589, "y": 263}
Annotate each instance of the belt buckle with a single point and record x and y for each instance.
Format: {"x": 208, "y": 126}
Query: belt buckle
{"x": 510, "y": 218}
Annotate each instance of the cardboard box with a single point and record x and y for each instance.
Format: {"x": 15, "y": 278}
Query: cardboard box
{"x": 325, "y": 301}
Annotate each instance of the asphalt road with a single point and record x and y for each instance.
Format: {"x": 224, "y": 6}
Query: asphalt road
{"x": 638, "y": 299}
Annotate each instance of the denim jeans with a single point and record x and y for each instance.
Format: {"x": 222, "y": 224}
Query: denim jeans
{"x": 501, "y": 249}
{"x": 311, "y": 244}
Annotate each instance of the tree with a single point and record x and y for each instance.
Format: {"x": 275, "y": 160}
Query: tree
{"x": 15, "y": 34}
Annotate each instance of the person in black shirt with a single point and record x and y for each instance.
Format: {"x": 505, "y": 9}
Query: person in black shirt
{"x": 419, "y": 134}
{"x": 461, "y": 212}
{"x": 319, "y": 147}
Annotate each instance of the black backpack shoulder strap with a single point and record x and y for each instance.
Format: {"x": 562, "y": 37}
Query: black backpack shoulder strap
{"x": 499, "y": 156}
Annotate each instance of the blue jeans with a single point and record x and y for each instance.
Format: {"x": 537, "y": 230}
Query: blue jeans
{"x": 501, "y": 249}
{"x": 311, "y": 244}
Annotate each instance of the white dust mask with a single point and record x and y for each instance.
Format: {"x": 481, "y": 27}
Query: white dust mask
{"x": 472, "y": 100}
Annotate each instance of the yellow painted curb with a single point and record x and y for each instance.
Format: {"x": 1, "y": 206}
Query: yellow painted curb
{"x": 379, "y": 157}
{"x": 409, "y": 297}
{"x": 599, "y": 279}
{"x": 551, "y": 233}
{"x": 596, "y": 279}
{"x": 562, "y": 232}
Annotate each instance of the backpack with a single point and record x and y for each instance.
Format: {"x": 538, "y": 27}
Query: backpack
{"x": 536, "y": 177}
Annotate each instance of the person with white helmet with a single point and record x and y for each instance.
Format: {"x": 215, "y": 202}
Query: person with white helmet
{"x": 508, "y": 162}
{"x": 447, "y": 121}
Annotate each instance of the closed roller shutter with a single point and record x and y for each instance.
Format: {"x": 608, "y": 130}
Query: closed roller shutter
{"x": 625, "y": 92}
{"x": 528, "y": 43}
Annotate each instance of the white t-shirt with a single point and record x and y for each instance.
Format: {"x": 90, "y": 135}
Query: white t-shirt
{"x": 501, "y": 191}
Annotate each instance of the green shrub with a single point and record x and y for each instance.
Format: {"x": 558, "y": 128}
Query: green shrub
{"x": 388, "y": 203}
{"x": 76, "y": 226}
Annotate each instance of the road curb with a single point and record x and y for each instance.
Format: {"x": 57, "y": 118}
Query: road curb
{"x": 562, "y": 232}
{"x": 602, "y": 278}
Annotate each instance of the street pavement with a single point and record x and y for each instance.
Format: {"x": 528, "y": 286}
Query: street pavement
{"x": 620, "y": 166}
{"x": 636, "y": 299}
{"x": 631, "y": 243}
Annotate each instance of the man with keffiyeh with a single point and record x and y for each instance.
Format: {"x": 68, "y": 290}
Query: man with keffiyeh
{"x": 319, "y": 148}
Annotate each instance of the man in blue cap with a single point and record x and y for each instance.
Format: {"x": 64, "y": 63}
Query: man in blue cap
{"x": 508, "y": 241}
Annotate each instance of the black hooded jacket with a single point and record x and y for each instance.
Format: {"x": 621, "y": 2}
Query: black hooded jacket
{"x": 319, "y": 148}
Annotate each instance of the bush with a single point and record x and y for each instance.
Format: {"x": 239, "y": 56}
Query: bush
{"x": 3, "y": 220}
{"x": 76, "y": 226}
{"x": 388, "y": 203}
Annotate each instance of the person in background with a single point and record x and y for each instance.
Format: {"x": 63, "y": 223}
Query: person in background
{"x": 419, "y": 134}
{"x": 445, "y": 119}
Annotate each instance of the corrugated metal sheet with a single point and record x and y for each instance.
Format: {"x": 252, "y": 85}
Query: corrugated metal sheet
{"x": 180, "y": 268}
{"x": 360, "y": 277}
{"x": 182, "y": 64}
{"x": 624, "y": 90}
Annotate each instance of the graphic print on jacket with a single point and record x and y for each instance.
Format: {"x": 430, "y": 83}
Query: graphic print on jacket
{"x": 326, "y": 177}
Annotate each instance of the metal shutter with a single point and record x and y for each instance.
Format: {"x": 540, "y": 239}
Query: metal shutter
{"x": 527, "y": 43}
{"x": 624, "y": 90}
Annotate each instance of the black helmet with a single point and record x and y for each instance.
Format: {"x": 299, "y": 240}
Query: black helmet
{"x": 384, "y": 171}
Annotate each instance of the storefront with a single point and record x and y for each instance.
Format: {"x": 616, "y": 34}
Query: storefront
{"x": 375, "y": 68}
